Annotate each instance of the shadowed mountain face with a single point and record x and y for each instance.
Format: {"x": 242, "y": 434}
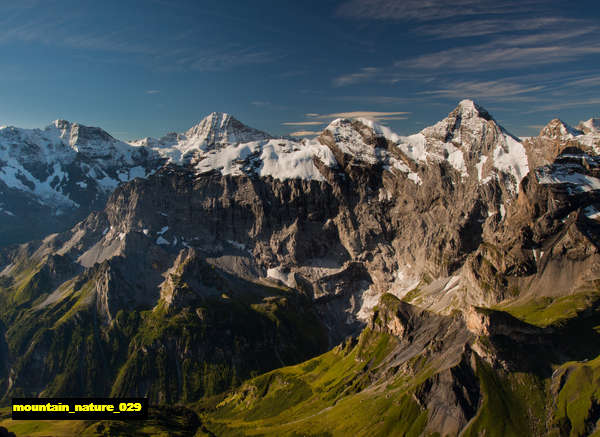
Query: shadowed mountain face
{"x": 467, "y": 258}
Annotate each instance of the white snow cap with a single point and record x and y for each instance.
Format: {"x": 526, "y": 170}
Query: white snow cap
{"x": 559, "y": 129}
{"x": 220, "y": 128}
{"x": 592, "y": 125}
{"x": 469, "y": 106}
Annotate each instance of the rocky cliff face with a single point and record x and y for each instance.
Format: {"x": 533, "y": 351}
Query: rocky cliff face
{"x": 238, "y": 253}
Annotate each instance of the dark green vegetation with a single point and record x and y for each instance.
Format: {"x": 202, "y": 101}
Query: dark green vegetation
{"x": 59, "y": 342}
{"x": 332, "y": 394}
{"x": 208, "y": 354}
{"x": 545, "y": 311}
{"x": 356, "y": 389}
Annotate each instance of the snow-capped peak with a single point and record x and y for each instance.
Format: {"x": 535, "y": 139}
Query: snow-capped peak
{"x": 358, "y": 138}
{"x": 590, "y": 126}
{"x": 559, "y": 129}
{"x": 467, "y": 122}
{"x": 60, "y": 124}
{"x": 375, "y": 128}
{"x": 214, "y": 122}
{"x": 220, "y": 128}
{"x": 469, "y": 109}
{"x": 467, "y": 139}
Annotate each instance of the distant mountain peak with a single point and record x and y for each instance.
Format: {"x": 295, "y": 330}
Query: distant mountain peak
{"x": 590, "y": 126}
{"x": 557, "y": 128}
{"x": 222, "y": 128}
{"x": 469, "y": 109}
{"x": 61, "y": 124}
{"x": 467, "y": 118}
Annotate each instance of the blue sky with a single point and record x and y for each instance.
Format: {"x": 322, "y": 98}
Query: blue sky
{"x": 145, "y": 68}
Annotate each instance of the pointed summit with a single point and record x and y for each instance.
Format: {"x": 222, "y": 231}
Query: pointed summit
{"x": 559, "y": 129}
{"x": 468, "y": 121}
{"x": 220, "y": 128}
{"x": 472, "y": 142}
{"x": 468, "y": 109}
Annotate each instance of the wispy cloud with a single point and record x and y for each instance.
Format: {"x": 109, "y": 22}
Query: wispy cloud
{"x": 304, "y": 133}
{"x": 61, "y": 32}
{"x": 363, "y": 75}
{"x": 260, "y": 103}
{"x": 179, "y": 51}
{"x": 321, "y": 119}
{"x": 153, "y": 92}
{"x": 482, "y": 27}
{"x": 362, "y": 114}
{"x": 372, "y": 115}
{"x": 224, "y": 58}
{"x": 266, "y": 105}
{"x": 425, "y": 10}
{"x": 563, "y": 104}
{"x": 508, "y": 41}
{"x": 490, "y": 57}
{"x": 376, "y": 100}
{"x": 302, "y": 123}
{"x": 499, "y": 89}
{"x": 586, "y": 82}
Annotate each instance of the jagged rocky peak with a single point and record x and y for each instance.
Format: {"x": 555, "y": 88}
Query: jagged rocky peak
{"x": 77, "y": 134}
{"x": 360, "y": 138}
{"x": 366, "y": 128}
{"x": 466, "y": 123}
{"x": 91, "y": 141}
{"x": 591, "y": 126}
{"x": 221, "y": 128}
{"x": 468, "y": 109}
{"x": 559, "y": 129}
{"x": 472, "y": 142}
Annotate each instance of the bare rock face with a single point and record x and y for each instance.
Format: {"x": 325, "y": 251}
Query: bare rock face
{"x": 452, "y": 211}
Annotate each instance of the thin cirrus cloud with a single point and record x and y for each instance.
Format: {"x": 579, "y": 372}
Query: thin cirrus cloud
{"x": 506, "y": 41}
{"x": 489, "y": 57}
{"x": 365, "y": 74}
{"x": 155, "y": 53}
{"x": 586, "y": 82}
{"x": 153, "y": 92}
{"x": 425, "y": 10}
{"x": 371, "y": 115}
{"x": 548, "y": 47}
{"x": 485, "y": 89}
{"x": 223, "y": 60}
{"x": 365, "y": 114}
{"x": 302, "y": 123}
{"x": 566, "y": 104}
{"x": 502, "y": 53}
{"x": 304, "y": 133}
{"x": 376, "y": 100}
{"x": 484, "y": 27}
{"x": 61, "y": 32}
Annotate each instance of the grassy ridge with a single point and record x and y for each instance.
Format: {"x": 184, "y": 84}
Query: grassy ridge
{"x": 332, "y": 394}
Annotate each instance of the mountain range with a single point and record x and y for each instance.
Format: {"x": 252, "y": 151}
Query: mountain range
{"x": 362, "y": 282}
